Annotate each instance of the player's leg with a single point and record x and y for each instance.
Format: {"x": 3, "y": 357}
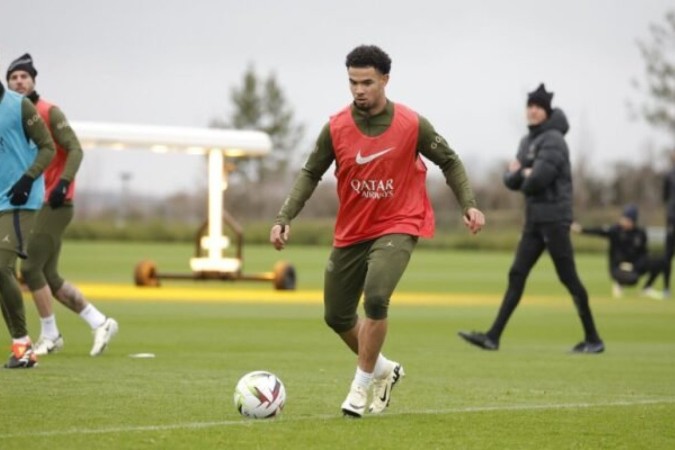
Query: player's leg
{"x": 530, "y": 248}
{"x": 343, "y": 285}
{"x": 41, "y": 249}
{"x": 668, "y": 257}
{"x": 653, "y": 266}
{"x": 561, "y": 251}
{"x": 387, "y": 260}
{"x": 14, "y": 226}
{"x": 103, "y": 328}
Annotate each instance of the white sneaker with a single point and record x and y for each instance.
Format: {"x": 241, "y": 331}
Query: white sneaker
{"x": 356, "y": 402}
{"x": 103, "y": 335}
{"x": 44, "y": 345}
{"x": 653, "y": 293}
{"x": 382, "y": 389}
{"x": 617, "y": 292}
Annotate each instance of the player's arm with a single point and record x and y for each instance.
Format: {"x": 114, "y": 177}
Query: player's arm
{"x": 436, "y": 149}
{"x": 36, "y": 130}
{"x": 65, "y": 137}
{"x": 305, "y": 183}
{"x": 605, "y": 232}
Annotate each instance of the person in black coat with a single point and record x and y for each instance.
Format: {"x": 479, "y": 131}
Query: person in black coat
{"x": 629, "y": 257}
{"x": 669, "y": 201}
{"x": 542, "y": 172}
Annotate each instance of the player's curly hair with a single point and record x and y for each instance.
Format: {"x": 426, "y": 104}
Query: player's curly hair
{"x": 369, "y": 56}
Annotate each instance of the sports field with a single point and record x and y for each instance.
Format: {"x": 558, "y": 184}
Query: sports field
{"x": 530, "y": 394}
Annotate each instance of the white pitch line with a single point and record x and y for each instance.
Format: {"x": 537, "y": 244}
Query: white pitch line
{"x": 245, "y": 422}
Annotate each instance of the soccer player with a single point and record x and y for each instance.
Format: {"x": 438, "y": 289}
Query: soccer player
{"x": 40, "y": 270}
{"x": 628, "y": 254}
{"x": 376, "y": 145}
{"x": 21, "y": 191}
{"x": 542, "y": 172}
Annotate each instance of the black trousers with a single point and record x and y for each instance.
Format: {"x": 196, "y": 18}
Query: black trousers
{"x": 554, "y": 237}
{"x": 651, "y": 265}
{"x": 669, "y": 251}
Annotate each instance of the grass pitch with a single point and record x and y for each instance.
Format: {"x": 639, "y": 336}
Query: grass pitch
{"x": 529, "y": 394}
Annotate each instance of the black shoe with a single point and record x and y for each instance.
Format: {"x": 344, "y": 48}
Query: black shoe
{"x": 22, "y": 357}
{"x": 589, "y": 347}
{"x": 479, "y": 340}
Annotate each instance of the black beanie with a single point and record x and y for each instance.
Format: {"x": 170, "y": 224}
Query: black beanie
{"x": 630, "y": 212}
{"x": 541, "y": 98}
{"x": 24, "y": 63}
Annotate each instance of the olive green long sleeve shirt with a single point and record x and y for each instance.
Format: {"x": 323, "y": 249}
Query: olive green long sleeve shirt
{"x": 429, "y": 143}
{"x": 36, "y": 130}
{"x": 65, "y": 137}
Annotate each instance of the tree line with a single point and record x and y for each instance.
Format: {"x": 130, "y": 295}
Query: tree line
{"x": 257, "y": 187}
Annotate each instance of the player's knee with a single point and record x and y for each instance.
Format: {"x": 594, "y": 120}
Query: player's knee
{"x": 54, "y": 281}
{"x": 517, "y": 275}
{"x": 340, "y": 323}
{"x": 32, "y": 276}
{"x": 376, "y": 307}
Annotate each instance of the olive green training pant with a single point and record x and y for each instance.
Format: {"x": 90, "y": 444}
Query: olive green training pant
{"x": 372, "y": 268}
{"x": 44, "y": 248}
{"x": 14, "y": 228}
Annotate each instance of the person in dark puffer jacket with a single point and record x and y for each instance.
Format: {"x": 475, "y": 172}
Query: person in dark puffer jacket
{"x": 542, "y": 172}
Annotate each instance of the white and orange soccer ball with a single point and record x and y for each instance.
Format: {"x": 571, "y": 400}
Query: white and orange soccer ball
{"x": 259, "y": 395}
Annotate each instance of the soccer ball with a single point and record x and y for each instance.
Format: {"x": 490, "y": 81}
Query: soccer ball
{"x": 259, "y": 395}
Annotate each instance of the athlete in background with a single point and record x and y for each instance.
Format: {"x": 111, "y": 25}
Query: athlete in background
{"x": 40, "y": 270}
{"x": 628, "y": 254}
{"x": 384, "y": 208}
{"x": 21, "y": 192}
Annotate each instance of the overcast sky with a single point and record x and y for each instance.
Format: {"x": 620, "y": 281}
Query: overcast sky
{"x": 466, "y": 66}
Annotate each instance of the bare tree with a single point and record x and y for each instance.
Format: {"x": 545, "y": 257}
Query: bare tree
{"x": 658, "y": 53}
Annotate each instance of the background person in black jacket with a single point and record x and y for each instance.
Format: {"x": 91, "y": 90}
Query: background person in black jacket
{"x": 541, "y": 171}
{"x": 669, "y": 200}
{"x": 628, "y": 253}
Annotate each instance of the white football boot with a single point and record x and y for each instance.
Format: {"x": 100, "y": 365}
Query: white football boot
{"x": 356, "y": 402}
{"x": 103, "y": 335}
{"x": 382, "y": 388}
{"x": 44, "y": 345}
{"x": 617, "y": 291}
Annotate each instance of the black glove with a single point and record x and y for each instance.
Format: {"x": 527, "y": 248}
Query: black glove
{"x": 18, "y": 194}
{"x": 58, "y": 195}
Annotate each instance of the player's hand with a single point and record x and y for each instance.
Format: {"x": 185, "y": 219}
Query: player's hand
{"x": 58, "y": 195}
{"x": 474, "y": 220}
{"x": 576, "y": 227}
{"x": 527, "y": 171}
{"x": 279, "y": 236}
{"x": 514, "y": 166}
{"x": 18, "y": 194}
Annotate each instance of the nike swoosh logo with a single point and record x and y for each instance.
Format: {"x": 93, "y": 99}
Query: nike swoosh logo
{"x": 384, "y": 396}
{"x": 366, "y": 159}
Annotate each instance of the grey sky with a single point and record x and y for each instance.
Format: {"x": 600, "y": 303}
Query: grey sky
{"x": 466, "y": 66}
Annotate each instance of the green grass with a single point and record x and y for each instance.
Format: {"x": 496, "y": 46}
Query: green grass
{"x": 529, "y": 394}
